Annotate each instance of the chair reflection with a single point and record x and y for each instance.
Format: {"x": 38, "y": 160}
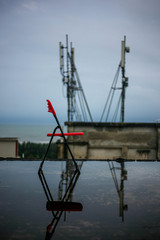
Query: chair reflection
{"x": 64, "y": 204}
{"x": 119, "y": 187}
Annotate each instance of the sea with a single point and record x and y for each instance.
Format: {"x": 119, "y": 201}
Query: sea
{"x": 28, "y": 133}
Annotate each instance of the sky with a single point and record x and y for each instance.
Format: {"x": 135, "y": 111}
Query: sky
{"x": 29, "y": 56}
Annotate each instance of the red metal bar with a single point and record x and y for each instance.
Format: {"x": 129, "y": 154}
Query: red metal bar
{"x": 65, "y": 134}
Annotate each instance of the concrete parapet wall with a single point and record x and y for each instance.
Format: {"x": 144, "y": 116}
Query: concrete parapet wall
{"x": 131, "y": 141}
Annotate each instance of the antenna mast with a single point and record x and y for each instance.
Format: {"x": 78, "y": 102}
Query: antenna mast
{"x": 121, "y": 100}
{"x": 124, "y": 49}
{"x": 71, "y": 79}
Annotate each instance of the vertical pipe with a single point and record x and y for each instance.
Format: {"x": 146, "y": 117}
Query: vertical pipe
{"x": 68, "y": 80}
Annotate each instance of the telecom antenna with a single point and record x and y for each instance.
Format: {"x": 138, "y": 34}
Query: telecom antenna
{"x": 124, "y": 84}
{"x": 78, "y": 108}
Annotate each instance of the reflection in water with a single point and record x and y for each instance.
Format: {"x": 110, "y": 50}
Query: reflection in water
{"x": 119, "y": 187}
{"x": 21, "y": 189}
{"x": 69, "y": 178}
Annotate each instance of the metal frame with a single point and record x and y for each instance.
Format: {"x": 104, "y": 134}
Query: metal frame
{"x": 57, "y": 214}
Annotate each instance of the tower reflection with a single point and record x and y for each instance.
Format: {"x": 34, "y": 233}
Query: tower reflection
{"x": 119, "y": 186}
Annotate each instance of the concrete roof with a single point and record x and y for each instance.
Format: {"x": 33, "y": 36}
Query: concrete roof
{"x": 8, "y": 139}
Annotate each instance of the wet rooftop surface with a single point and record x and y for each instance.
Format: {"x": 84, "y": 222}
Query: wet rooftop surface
{"x": 120, "y": 200}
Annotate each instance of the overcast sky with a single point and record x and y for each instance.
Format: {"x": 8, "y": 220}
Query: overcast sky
{"x": 29, "y": 55}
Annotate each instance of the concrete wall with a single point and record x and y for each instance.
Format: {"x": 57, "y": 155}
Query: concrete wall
{"x": 101, "y": 141}
{"x": 8, "y": 147}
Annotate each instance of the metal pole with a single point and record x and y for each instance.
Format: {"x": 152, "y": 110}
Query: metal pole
{"x": 124, "y": 78}
{"x": 68, "y": 81}
{"x": 72, "y": 81}
{"x": 123, "y": 99}
{"x": 123, "y": 45}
